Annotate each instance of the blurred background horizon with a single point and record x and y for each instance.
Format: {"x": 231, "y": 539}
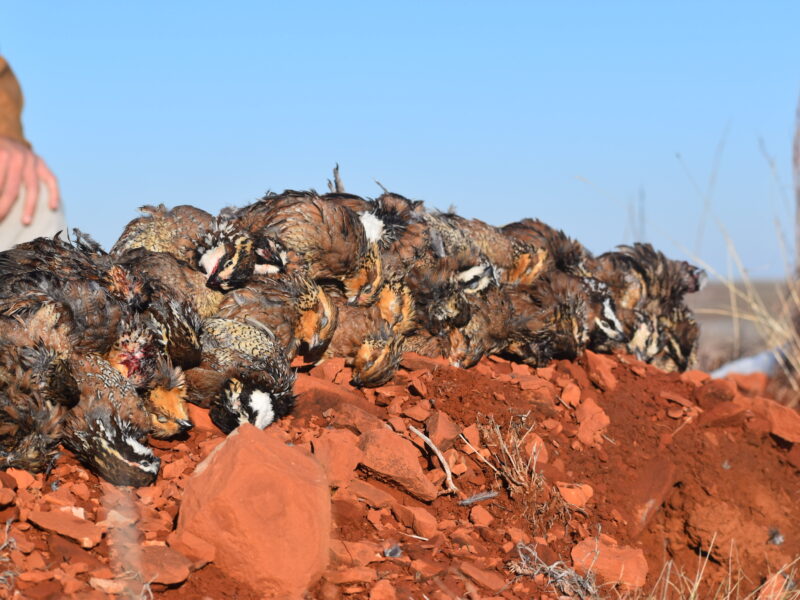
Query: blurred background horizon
{"x": 616, "y": 121}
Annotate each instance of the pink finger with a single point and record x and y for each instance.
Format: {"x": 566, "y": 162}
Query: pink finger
{"x": 46, "y": 176}
{"x": 31, "y": 191}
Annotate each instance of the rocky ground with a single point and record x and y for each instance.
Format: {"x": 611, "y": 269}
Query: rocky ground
{"x": 584, "y": 479}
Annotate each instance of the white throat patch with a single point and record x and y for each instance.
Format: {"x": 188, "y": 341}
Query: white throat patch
{"x": 373, "y": 226}
{"x": 210, "y": 260}
{"x": 261, "y": 403}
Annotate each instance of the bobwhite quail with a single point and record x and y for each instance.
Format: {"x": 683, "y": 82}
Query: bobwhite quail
{"x": 244, "y": 375}
{"x": 107, "y": 429}
{"x": 562, "y": 253}
{"x": 551, "y": 320}
{"x": 177, "y": 231}
{"x": 649, "y": 290}
{"x": 324, "y": 238}
{"x": 371, "y": 339}
{"x": 139, "y": 358}
{"x": 486, "y": 333}
{"x": 516, "y": 261}
{"x": 293, "y": 307}
{"x": 31, "y": 416}
{"x": 172, "y": 279}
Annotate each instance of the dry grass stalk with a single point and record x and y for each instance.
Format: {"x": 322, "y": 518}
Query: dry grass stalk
{"x": 561, "y": 577}
{"x": 512, "y": 463}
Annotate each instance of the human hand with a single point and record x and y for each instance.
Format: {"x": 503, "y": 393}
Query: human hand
{"x": 20, "y": 166}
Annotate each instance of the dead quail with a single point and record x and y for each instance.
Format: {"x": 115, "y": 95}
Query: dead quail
{"x": 551, "y": 320}
{"x": 371, "y": 338}
{"x": 177, "y": 231}
{"x": 517, "y": 261}
{"x": 31, "y": 413}
{"x": 297, "y": 310}
{"x": 562, "y": 253}
{"x": 324, "y": 238}
{"x": 649, "y": 289}
{"x": 172, "y": 279}
{"x": 244, "y": 375}
{"x": 368, "y": 345}
{"x": 108, "y": 427}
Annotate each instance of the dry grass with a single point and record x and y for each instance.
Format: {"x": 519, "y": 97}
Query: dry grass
{"x": 672, "y": 584}
{"x": 777, "y": 329}
{"x": 510, "y": 460}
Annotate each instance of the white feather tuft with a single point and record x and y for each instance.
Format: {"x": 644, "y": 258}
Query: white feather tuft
{"x": 373, "y": 226}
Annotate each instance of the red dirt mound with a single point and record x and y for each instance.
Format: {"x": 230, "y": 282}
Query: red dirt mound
{"x": 605, "y": 464}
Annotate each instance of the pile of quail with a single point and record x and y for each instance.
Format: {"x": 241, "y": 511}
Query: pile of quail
{"x": 99, "y": 350}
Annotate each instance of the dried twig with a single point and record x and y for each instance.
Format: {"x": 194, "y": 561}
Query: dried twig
{"x": 478, "y": 498}
{"x": 451, "y": 486}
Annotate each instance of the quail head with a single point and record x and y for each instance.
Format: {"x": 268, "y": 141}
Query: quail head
{"x": 246, "y": 351}
{"x": 107, "y": 428}
{"x": 323, "y": 237}
{"x": 256, "y": 398}
{"x": 227, "y": 255}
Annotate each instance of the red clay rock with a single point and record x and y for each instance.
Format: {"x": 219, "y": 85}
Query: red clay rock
{"x": 265, "y": 508}
{"x": 480, "y": 516}
{"x": 352, "y": 575}
{"x": 784, "y": 422}
{"x": 200, "y": 418}
{"x": 571, "y": 394}
{"x": 22, "y": 478}
{"x": 695, "y": 377}
{"x": 752, "y": 384}
{"x": 161, "y": 564}
{"x": 539, "y": 389}
{"x": 649, "y": 492}
{"x": 383, "y": 590}
{"x": 7, "y": 497}
{"x": 593, "y": 420}
{"x": 87, "y": 534}
{"x": 419, "y": 411}
{"x": 329, "y": 368}
{"x": 374, "y": 496}
{"x": 355, "y": 554}
{"x": 417, "y": 518}
{"x": 491, "y": 580}
{"x": 577, "y": 494}
{"x": 109, "y": 586}
{"x": 600, "y": 371}
{"x": 197, "y": 550}
{"x": 414, "y": 362}
{"x": 355, "y": 418}
{"x": 535, "y": 444}
{"x": 315, "y": 395}
{"x": 396, "y": 459}
{"x": 338, "y": 452}
{"x": 613, "y": 563}
{"x": 442, "y": 430}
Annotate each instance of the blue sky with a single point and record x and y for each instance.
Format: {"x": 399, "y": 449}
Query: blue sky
{"x": 573, "y": 112}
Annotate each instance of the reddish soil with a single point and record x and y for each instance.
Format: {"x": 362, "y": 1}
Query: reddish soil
{"x": 655, "y": 467}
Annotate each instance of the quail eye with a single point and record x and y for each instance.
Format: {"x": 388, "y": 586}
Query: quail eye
{"x": 368, "y": 289}
{"x": 323, "y": 321}
{"x": 162, "y": 419}
{"x": 473, "y": 283}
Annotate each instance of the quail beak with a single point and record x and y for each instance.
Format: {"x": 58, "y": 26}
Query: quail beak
{"x": 184, "y": 424}
{"x": 315, "y": 342}
{"x": 213, "y": 281}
